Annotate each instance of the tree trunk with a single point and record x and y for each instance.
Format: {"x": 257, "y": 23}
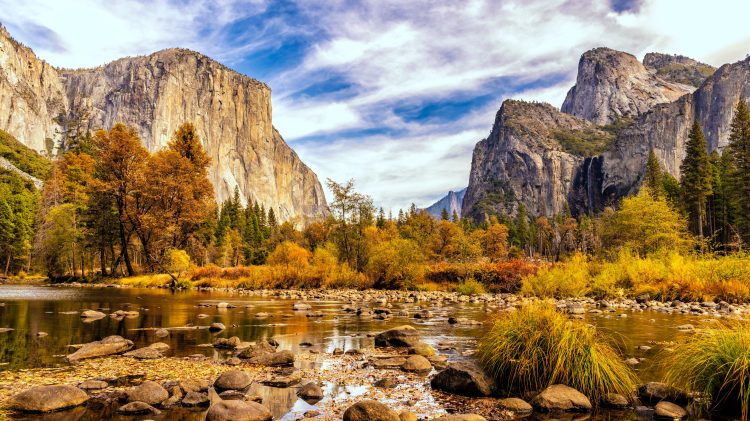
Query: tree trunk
{"x": 124, "y": 251}
{"x": 700, "y": 225}
{"x": 7, "y": 265}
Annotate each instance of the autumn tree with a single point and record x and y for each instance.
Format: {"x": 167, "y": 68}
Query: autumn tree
{"x": 119, "y": 173}
{"x": 653, "y": 177}
{"x": 352, "y": 212}
{"x": 696, "y": 180}
{"x": 739, "y": 172}
{"x": 644, "y": 224}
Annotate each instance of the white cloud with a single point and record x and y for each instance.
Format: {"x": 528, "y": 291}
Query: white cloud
{"x": 391, "y": 52}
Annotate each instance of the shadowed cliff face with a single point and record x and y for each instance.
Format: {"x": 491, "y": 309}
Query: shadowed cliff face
{"x": 156, "y": 94}
{"x": 665, "y": 128}
{"x": 544, "y": 159}
{"x": 529, "y": 158}
{"x": 612, "y": 84}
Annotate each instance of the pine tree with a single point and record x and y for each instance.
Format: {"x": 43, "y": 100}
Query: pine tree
{"x": 652, "y": 179}
{"x": 7, "y": 233}
{"x": 455, "y": 218}
{"x": 380, "y": 221}
{"x": 444, "y": 215}
{"x": 739, "y": 173}
{"x": 522, "y": 227}
{"x": 696, "y": 178}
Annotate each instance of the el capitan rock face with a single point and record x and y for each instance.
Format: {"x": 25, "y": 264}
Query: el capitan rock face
{"x": 155, "y": 94}
{"x": 612, "y": 84}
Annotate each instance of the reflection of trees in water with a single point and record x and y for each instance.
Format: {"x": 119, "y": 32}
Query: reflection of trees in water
{"x": 278, "y": 400}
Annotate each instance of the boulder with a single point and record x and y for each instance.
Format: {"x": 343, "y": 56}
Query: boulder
{"x": 194, "y": 385}
{"x": 161, "y": 333}
{"x": 407, "y": 416}
{"x": 138, "y": 408}
{"x": 233, "y": 380}
{"x": 310, "y": 392}
{"x": 559, "y": 397}
{"x": 385, "y": 363}
{"x": 107, "y": 346}
{"x": 398, "y": 337}
{"x": 146, "y": 353}
{"x": 466, "y": 379}
{"x": 159, "y": 346}
{"x": 423, "y": 350}
{"x": 615, "y": 400}
{"x": 149, "y": 392}
{"x": 237, "y": 410}
{"x": 370, "y": 411}
{"x": 227, "y": 343}
{"x": 193, "y": 399}
{"x": 515, "y": 405}
{"x": 416, "y": 364}
{"x": 261, "y": 347}
{"x": 48, "y": 398}
{"x": 273, "y": 359}
{"x": 670, "y": 411}
{"x": 461, "y": 417}
{"x": 654, "y": 392}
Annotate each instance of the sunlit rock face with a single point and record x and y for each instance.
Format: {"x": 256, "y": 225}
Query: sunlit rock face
{"x": 612, "y": 84}
{"x": 155, "y": 94}
{"x": 524, "y": 161}
{"x": 665, "y": 128}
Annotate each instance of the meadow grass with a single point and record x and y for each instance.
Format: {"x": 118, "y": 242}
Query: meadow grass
{"x": 536, "y": 346}
{"x": 715, "y": 363}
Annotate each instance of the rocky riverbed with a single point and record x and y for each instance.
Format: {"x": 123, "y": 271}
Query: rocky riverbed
{"x": 409, "y": 351}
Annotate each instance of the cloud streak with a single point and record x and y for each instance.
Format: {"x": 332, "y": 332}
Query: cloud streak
{"x": 391, "y": 93}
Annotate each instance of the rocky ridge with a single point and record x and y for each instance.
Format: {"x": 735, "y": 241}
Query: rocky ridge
{"x": 612, "y": 84}
{"x": 451, "y": 202}
{"x": 155, "y": 94}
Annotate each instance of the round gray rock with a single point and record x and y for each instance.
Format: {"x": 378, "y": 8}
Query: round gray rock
{"x": 466, "y": 379}
{"x": 516, "y": 405}
{"x": 138, "y": 408}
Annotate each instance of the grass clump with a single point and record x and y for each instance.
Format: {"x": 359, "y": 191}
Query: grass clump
{"x": 715, "y": 364}
{"x": 568, "y": 279}
{"x": 536, "y": 346}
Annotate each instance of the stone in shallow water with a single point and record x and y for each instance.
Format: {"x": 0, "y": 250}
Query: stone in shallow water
{"x": 386, "y": 383}
{"x": 161, "y": 333}
{"x": 273, "y": 359}
{"x": 149, "y": 392}
{"x": 108, "y": 346}
{"x": 195, "y": 399}
{"x": 238, "y": 411}
{"x": 559, "y": 397}
{"x": 146, "y": 353}
{"x": 461, "y": 417}
{"x": 159, "y": 346}
{"x": 417, "y": 364}
{"x": 615, "y": 400}
{"x": 398, "y": 337}
{"x": 310, "y": 392}
{"x": 670, "y": 411}
{"x": 93, "y": 385}
{"x": 216, "y": 327}
{"x": 519, "y": 406}
{"x": 233, "y": 380}
{"x": 385, "y": 363}
{"x": 465, "y": 378}
{"x": 48, "y": 398}
{"x": 138, "y": 408}
{"x": 370, "y": 411}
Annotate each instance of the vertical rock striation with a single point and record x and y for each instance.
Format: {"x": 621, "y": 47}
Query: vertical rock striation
{"x": 612, "y": 84}
{"x": 155, "y": 94}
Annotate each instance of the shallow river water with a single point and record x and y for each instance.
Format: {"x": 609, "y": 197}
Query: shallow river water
{"x": 55, "y": 310}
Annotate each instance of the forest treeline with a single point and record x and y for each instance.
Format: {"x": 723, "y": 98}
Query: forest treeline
{"x": 109, "y": 208}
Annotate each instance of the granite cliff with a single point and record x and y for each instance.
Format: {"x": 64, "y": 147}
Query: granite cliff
{"x": 595, "y": 150}
{"x": 612, "y": 84}
{"x": 155, "y": 94}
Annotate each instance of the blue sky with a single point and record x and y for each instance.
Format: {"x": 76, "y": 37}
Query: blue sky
{"x": 391, "y": 93}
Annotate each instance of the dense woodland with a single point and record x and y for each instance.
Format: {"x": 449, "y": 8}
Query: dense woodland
{"x": 109, "y": 208}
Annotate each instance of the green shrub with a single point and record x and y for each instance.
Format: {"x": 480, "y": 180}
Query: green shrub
{"x": 536, "y": 346}
{"x": 716, "y": 364}
{"x": 470, "y": 286}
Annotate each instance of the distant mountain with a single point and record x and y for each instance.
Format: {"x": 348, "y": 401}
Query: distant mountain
{"x": 452, "y": 202}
